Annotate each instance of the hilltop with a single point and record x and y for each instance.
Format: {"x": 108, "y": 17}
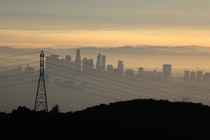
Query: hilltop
{"x": 136, "y": 118}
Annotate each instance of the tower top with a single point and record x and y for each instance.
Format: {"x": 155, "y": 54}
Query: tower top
{"x": 42, "y": 53}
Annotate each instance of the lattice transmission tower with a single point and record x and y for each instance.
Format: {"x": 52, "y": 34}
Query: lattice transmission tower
{"x": 41, "y": 94}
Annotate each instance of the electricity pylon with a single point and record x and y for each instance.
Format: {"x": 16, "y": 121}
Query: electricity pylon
{"x": 41, "y": 95}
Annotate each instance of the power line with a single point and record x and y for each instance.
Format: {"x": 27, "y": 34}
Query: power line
{"x": 168, "y": 96}
{"x": 159, "y": 80}
{"x": 83, "y": 91}
{"x": 15, "y": 61}
{"x": 152, "y": 78}
{"x": 28, "y": 79}
{"x": 17, "y": 55}
{"x": 11, "y": 67}
{"x": 176, "y": 83}
{"x": 113, "y": 81}
{"x": 126, "y": 83}
{"x": 96, "y": 85}
{"x": 188, "y": 88}
{"x": 176, "y": 87}
{"x": 179, "y": 86}
{"x": 18, "y": 84}
{"x": 19, "y": 74}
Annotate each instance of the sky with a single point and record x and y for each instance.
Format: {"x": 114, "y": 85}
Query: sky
{"x": 47, "y": 23}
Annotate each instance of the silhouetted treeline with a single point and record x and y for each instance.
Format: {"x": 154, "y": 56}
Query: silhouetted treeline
{"x": 128, "y": 119}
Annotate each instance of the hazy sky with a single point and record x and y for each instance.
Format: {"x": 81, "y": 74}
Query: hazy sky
{"x": 104, "y": 22}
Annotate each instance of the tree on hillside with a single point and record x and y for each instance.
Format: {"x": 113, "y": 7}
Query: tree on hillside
{"x": 55, "y": 109}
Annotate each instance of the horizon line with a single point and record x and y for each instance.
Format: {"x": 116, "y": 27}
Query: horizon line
{"x": 95, "y": 46}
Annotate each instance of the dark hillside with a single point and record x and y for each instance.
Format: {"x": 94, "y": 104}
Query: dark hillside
{"x": 136, "y": 118}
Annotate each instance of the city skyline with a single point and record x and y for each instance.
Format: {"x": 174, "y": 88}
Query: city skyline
{"x": 79, "y": 73}
{"x": 87, "y": 65}
{"x": 150, "y": 57}
{"x": 135, "y": 39}
{"x": 104, "y": 68}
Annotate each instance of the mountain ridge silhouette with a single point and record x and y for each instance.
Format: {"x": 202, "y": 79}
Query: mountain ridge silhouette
{"x": 127, "y": 119}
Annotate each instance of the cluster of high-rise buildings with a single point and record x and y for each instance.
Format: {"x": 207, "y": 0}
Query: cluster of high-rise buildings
{"x": 86, "y": 65}
{"x": 196, "y": 76}
{"x": 74, "y": 68}
{"x": 165, "y": 74}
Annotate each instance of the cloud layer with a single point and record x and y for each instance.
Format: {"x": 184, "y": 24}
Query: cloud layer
{"x": 104, "y": 15}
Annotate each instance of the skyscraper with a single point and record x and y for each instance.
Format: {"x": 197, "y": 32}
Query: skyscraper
{"x": 52, "y": 62}
{"x": 68, "y": 57}
{"x": 129, "y": 73}
{"x": 192, "y": 75}
{"x": 120, "y": 68}
{"x": 78, "y": 61}
{"x": 154, "y": 73}
{"x": 167, "y": 72}
{"x": 87, "y": 65}
{"x": 206, "y": 76}
{"x": 141, "y": 71}
{"x": 99, "y": 62}
{"x": 199, "y": 75}
{"x": 103, "y": 62}
{"x": 110, "y": 69}
{"x": 186, "y": 75}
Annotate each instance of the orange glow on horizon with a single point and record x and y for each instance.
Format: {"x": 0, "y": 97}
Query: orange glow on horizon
{"x": 49, "y": 38}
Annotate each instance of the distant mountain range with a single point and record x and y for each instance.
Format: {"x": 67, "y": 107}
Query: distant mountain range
{"x": 124, "y": 49}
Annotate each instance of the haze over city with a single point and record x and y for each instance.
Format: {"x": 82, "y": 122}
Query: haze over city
{"x": 88, "y": 69}
{"x": 143, "y": 34}
{"x": 77, "y": 78}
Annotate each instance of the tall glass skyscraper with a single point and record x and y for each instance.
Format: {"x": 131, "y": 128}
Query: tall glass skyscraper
{"x": 167, "y": 71}
{"x": 78, "y": 61}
